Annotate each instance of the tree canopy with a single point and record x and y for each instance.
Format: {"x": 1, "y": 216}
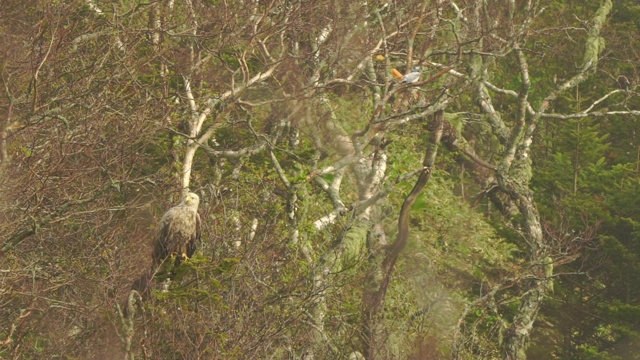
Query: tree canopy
{"x": 487, "y": 210}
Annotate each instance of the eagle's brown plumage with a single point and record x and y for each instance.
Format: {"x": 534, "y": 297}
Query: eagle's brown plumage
{"x": 180, "y": 231}
{"x": 179, "y": 234}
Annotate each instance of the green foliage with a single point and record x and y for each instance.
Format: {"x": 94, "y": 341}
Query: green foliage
{"x": 453, "y": 251}
{"x": 581, "y": 178}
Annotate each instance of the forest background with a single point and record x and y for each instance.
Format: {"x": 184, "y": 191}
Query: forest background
{"x": 488, "y": 211}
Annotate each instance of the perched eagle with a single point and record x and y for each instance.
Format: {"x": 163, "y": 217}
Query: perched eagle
{"x": 178, "y": 236}
{"x": 179, "y": 232}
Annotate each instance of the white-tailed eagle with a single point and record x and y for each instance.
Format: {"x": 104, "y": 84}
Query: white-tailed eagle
{"x": 180, "y": 231}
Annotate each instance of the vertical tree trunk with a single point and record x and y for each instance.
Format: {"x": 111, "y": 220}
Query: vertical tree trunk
{"x": 514, "y": 180}
{"x": 536, "y": 288}
{"x": 379, "y": 273}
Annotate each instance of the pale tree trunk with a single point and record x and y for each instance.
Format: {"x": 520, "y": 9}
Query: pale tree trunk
{"x": 369, "y": 172}
{"x": 538, "y": 283}
{"x": 517, "y": 202}
{"x": 514, "y": 175}
{"x": 513, "y": 171}
{"x": 4, "y": 128}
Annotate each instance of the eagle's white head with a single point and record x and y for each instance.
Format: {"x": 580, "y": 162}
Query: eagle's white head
{"x": 191, "y": 200}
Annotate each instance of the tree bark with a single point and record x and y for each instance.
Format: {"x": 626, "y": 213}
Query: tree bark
{"x": 379, "y": 274}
